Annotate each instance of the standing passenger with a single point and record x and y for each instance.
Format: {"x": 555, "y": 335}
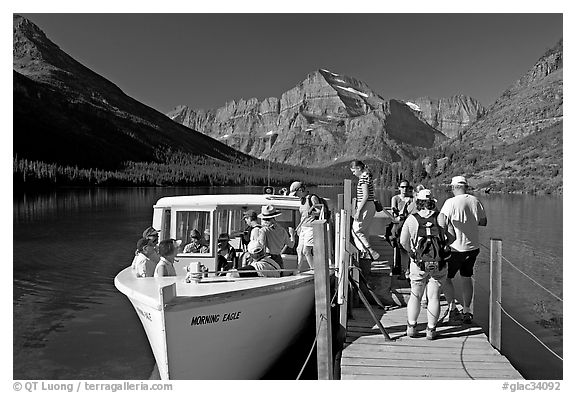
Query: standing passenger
{"x": 304, "y": 229}
{"x": 463, "y": 212}
{"x": 272, "y": 236}
{"x": 403, "y": 205}
{"x": 424, "y": 277}
{"x": 253, "y": 226}
{"x": 365, "y": 209}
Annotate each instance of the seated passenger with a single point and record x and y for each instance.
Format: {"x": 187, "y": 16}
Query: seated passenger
{"x": 168, "y": 250}
{"x": 152, "y": 234}
{"x": 227, "y": 252}
{"x": 146, "y": 258}
{"x": 196, "y": 244}
{"x": 259, "y": 265}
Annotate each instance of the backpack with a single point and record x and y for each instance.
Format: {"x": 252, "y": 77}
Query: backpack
{"x": 431, "y": 250}
{"x": 326, "y": 209}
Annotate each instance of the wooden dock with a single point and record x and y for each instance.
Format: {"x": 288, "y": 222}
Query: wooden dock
{"x": 376, "y": 345}
{"x": 459, "y": 352}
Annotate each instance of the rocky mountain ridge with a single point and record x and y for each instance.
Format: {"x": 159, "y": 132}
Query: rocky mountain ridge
{"x": 449, "y": 115}
{"x": 66, "y": 113}
{"x": 329, "y": 118}
{"x": 532, "y": 103}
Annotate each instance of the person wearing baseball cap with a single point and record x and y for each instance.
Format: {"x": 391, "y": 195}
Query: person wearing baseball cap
{"x": 146, "y": 258}
{"x": 150, "y": 232}
{"x": 462, "y": 214}
{"x": 423, "y": 280}
{"x": 226, "y": 253}
{"x": 295, "y": 187}
{"x": 252, "y": 226}
{"x": 196, "y": 244}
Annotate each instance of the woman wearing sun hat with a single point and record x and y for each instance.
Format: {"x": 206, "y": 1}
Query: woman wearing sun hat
{"x": 272, "y": 236}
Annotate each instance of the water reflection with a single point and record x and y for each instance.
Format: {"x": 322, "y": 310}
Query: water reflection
{"x": 70, "y": 322}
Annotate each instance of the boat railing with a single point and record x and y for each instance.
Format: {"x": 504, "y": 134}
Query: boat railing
{"x": 496, "y": 308}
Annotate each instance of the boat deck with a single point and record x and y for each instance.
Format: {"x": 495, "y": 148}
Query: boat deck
{"x": 147, "y": 290}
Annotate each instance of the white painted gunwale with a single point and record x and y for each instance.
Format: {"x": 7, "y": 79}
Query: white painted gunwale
{"x": 147, "y": 290}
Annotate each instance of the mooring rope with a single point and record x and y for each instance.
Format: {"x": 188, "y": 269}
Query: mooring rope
{"x": 322, "y": 318}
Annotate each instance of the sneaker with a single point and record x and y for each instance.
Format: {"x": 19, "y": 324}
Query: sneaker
{"x": 411, "y": 330}
{"x": 431, "y": 333}
{"x": 467, "y": 318}
{"x": 455, "y": 316}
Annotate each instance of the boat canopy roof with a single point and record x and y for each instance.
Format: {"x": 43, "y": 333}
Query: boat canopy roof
{"x": 212, "y": 201}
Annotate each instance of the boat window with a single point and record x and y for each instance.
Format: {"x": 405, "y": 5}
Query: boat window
{"x": 229, "y": 220}
{"x": 286, "y": 219}
{"x": 165, "y": 229}
{"x": 193, "y": 228}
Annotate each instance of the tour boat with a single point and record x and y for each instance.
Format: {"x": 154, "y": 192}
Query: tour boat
{"x": 220, "y": 327}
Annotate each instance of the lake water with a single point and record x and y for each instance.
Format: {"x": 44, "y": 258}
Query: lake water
{"x": 70, "y": 322}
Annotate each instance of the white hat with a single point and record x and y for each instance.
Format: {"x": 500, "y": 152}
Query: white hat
{"x": 295, "y": 186}
{"x": 459, "y": 181}
{"x": 269, "y": 211}
{"x": 256, "y": 249}
{"x": 425, "y": 195}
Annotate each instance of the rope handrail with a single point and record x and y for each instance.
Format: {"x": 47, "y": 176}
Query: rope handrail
{"x": 528, "y": 277}
{"x": 529, "y": 332}
{"x": 322, "y": 318}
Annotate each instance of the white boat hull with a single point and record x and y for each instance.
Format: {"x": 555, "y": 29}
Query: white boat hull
{"x": 209, "y": 331}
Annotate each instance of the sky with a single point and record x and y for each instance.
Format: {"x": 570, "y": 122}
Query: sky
{"x": 206, "y": 60}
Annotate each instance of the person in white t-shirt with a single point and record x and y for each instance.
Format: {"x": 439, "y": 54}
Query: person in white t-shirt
{"x": 462, "y": 214}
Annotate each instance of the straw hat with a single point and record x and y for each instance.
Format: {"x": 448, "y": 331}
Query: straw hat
{"x": 269, "y": 211}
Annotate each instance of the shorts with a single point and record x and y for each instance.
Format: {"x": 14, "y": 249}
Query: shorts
{"x": 419, "y": 276}
{"x": 306, "y": 237}
{"x": 462, "y": 261}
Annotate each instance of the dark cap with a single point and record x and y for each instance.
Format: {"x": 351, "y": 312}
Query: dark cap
{"x": 194, "y": 234}
{"x": 141, "y": 243}
{"x": 150, "y": 232}
{"x": 223, "y": 237}
{"x": 250, "y": 214}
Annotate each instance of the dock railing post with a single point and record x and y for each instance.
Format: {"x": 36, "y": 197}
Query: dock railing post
{"x": 343, "y": 268}
{"x": 337, "y": 217}
{"x": 322, "y": 296}
{"x": 495, "y": 322}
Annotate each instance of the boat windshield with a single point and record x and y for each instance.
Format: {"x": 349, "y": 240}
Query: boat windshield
{"x": 193, "y": 228}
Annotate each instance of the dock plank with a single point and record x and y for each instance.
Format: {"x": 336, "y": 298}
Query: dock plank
{"x": 460, "y": 352}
